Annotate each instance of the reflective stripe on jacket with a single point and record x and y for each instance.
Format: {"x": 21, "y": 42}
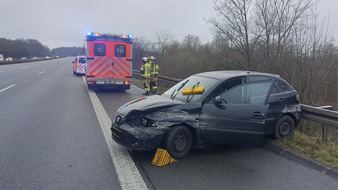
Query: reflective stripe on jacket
{"x": 155, "y": 69}
{"x": 145, "y": 70}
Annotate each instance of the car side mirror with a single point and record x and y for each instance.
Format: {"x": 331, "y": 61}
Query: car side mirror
{"x": 218, "y": 100}
{"x": 73, "y": 62}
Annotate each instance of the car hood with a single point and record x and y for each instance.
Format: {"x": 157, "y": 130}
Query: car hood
{"x": 154, "y": 102}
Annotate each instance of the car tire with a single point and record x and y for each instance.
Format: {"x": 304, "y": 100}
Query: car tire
{"x": 178, "y": 142}
{"x": 284, "y": 128}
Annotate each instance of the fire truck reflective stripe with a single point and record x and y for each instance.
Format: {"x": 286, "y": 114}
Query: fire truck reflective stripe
{"x": 105, "y": 66}
{"x": 117, "y": 69}
{"x": 95, "y": 63}
{"x": 115, "y": 72}
{"x": 98, "y": 67}
{"x": 125, "y": 63}
{"x": 122, "y": 67}
{"x": 104, "y": 70}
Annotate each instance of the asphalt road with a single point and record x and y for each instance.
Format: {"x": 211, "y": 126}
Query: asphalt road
{"x": 51, "y": 138}
{"x": 49, "y": 133}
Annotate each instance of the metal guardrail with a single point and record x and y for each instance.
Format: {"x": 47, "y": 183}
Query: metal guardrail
{"x": 323, "y": 114}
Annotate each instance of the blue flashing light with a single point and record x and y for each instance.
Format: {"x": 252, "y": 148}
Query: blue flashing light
{"x": 89, "y": 33}
{"x": 130, "y": 36}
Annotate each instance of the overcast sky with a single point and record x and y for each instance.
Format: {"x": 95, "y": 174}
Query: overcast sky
{"x": 63, "y": 23}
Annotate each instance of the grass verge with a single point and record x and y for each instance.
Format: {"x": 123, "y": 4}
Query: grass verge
{"x": 313, "y": 147}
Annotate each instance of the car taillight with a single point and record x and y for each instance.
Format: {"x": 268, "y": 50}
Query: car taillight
{"x": 91, "y": 82}
{"x": 126, "y": 82}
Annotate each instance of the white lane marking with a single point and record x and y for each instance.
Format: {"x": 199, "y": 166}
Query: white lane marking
{"x": 127, "y": 173}
{"x": 53, "y": 67}
{"x": 7, "y": 87}
{"x": 2, "y": 71}
{"x": 24, "y": 67}
{"x": 41, "y": 72}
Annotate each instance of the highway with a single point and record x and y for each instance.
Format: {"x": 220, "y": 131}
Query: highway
{"x": 54, "y": 135}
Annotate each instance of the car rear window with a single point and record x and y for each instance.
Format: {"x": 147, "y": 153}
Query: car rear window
{"x": 282, "y": 86}
{"x": 99, "y": 49}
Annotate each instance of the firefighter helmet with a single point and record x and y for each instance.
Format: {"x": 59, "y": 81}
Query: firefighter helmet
{"x": 144, "y": 59}
{"x": 152, "y": 58}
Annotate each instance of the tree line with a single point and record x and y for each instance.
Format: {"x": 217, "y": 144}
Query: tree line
{"x": 33, "y": 48}
{"x": 22, "y": 48}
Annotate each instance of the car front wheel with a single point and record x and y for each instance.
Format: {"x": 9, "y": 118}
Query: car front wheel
{"x": 284, "y": 128}
{"x": 178, "y": 142}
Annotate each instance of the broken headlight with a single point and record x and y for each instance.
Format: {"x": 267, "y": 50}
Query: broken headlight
{"x": 145, "y": 122}
{"x": 138, "y": 119}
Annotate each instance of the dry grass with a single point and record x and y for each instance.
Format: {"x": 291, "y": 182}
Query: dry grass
{"x": 313, "y": 147}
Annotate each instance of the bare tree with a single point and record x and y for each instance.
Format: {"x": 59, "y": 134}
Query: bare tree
{"x": 163, "y": 41}
{"x": 277, "y": 19}
{"x": 235, "y": 24}
{"x": 141, "y": 49}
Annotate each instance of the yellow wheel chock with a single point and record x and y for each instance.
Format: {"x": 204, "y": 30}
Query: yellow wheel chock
{"x": 162, "y": 158}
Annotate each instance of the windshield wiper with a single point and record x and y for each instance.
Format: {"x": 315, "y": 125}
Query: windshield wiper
{"x": 172, "y": 96}
{"x": 193, "y": 87}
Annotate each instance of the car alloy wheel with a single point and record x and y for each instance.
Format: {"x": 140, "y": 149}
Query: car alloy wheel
{"x": 178, "y": 142}
{"x": 284, "y": 128}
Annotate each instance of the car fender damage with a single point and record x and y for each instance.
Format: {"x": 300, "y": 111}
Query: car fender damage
{"x": 170, "y": 117}
{"x": 150, "y": 137}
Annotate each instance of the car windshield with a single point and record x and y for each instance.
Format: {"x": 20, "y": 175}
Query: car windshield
{"x": 82, "y": 60}
{"x": 175, "y": 92}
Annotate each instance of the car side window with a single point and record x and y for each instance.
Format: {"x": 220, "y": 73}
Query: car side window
{"x": 227, "y": 85}
{"x": 248, "y": 93}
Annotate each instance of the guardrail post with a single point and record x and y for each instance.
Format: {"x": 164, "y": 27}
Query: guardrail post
{"x": 324, "y": 133}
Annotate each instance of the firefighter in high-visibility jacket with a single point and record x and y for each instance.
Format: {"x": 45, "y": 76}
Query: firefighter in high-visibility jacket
{"x": 153, "y": 74}
{"x": 145, "y": 72}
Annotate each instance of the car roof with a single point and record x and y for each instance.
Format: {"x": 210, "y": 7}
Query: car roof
{"x": 225, "y": 74}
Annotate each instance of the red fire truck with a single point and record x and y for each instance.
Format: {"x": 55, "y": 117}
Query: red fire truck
{"x": 109, "y": 61}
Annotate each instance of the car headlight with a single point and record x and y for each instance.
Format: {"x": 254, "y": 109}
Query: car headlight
{"x": 145, "y": 122}
{"x": 119, "y": 119}
{"x": 141, "y": 121}
{"x": 135, "y": 119}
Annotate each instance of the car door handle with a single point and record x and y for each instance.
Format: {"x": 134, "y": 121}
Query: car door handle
{"x": 112, "y": 63}
{"x": 282, "y": 100}
{"x": 258, "y": 114}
